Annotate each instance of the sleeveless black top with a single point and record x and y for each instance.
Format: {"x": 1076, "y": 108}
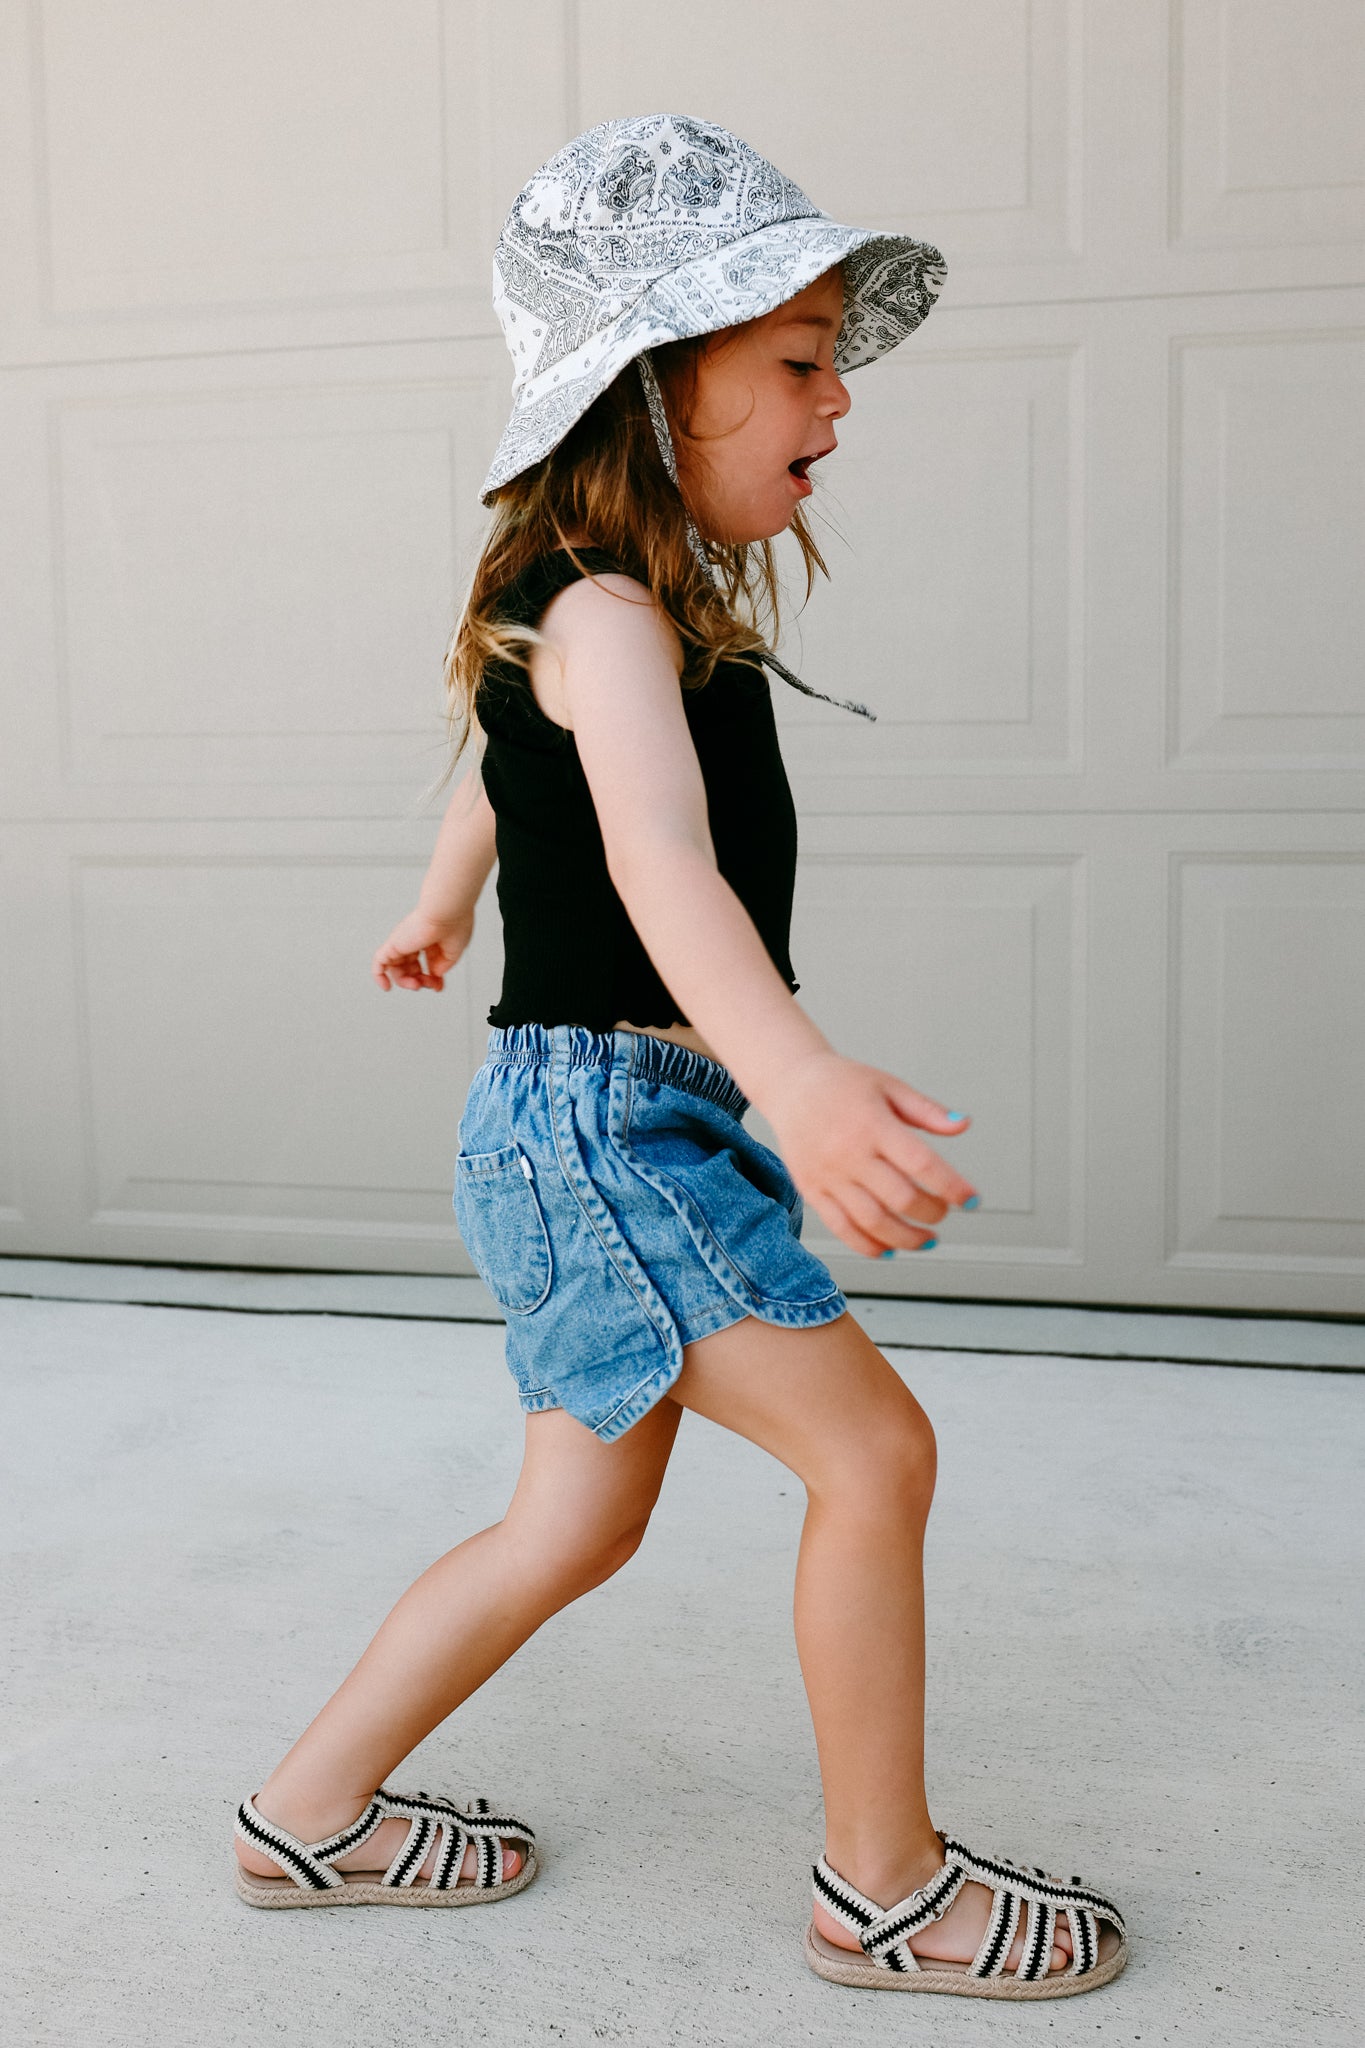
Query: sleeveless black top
{"x": 570, "y": 952}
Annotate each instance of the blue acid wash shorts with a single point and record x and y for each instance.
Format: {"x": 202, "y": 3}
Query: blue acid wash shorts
{"x": 617, "y": 1209}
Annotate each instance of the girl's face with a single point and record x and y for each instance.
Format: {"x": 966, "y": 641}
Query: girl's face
{"x": 767, "y": 396}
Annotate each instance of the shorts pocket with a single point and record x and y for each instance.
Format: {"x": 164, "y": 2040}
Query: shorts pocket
{"x": 503, "y": 1226}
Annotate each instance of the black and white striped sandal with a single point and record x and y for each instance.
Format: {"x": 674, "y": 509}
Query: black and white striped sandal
{"x": 888, "y": 1963}
{"x": 311, "y": 1878}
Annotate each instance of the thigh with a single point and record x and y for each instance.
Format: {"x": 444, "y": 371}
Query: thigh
{"x": 823, "y": 1401}
{"x": 582, "y": 1492}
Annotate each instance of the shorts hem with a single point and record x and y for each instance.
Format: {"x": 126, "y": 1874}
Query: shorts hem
{"x": 650, "y": 1391}
{"x": 646, "y": 1396}
{"x": 535, "y": 1403}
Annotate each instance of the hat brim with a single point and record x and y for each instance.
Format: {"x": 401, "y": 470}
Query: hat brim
{"x": 891, "y": 283}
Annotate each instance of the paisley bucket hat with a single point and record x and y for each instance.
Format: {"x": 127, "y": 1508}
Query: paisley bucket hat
{"x": 656, "y": 228}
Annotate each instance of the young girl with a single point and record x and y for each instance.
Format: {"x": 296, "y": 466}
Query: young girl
{"x": 680, "y": 317}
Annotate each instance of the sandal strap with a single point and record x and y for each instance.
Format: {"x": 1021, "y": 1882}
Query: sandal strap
{"x": 346, "y": 1839}
{"x": 457, "y": 1828}
{"x": 310, "y": 1864}
{"x": 422, "y": 1832}
{"x": 1020, "y": 1893}
{"x": 295, "y": 1858}
{"x": 1085, "y": 1939}
{"x": 852, "y": 1908}
{"x": 1034, "y": 1884}
{"x": 884, "y": 1931}
{"x": 1039, "y": 1932}
{"x": 996, "y": 1942}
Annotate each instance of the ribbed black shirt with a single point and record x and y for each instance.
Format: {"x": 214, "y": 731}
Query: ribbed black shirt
{"x": 570, "y": 952}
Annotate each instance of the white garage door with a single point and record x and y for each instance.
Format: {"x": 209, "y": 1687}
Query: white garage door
{"x": 1095, "y": 875}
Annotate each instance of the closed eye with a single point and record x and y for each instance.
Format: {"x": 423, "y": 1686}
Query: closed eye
{"x": 802, "y": 366}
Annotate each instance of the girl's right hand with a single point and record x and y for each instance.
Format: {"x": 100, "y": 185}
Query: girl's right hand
{"x": 420, "y": 952}
{"x": 846, "y": 1133}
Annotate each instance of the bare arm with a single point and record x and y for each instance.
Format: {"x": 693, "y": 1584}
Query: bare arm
{"x": 465, "y": 850}
{"x": 421, "y": 950}
{"x": 845, "y": 1128}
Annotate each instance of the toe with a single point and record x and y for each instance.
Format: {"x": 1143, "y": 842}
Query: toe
{"x": 511, "y": 1861}
{"x": 1059, "y": 1959}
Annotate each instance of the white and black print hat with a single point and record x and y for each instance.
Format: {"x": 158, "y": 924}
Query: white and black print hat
{"x": 655, "y": 228}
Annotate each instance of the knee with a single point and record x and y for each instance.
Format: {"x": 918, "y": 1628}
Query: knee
{"x": 601, "y": 1557}
{"x": 574, "y": 1562}
{"x": 887, "y": 1471}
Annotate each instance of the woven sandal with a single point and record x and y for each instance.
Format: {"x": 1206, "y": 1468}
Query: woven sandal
{"x": 310, "y": 1878}
{"x": 888, "y": 1963}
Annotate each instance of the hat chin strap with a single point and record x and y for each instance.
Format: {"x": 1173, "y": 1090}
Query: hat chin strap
{"x": 659, "y": 419}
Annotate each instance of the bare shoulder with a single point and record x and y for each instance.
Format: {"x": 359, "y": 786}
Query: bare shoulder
{"x": 610, "y": 615}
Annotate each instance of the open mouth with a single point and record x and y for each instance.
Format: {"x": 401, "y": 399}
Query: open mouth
{"x": 803, "y": 463}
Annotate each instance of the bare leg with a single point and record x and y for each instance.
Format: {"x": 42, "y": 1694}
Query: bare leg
{"x": 829, "y": 1406}
{"x": 578, "y": 1512}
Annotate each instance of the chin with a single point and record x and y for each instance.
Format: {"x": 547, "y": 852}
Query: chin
{"x": 754, "y": 525}
{"x": 754, "y": 530}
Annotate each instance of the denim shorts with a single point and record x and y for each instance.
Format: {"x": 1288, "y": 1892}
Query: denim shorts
{"x": 617, "y": 1209}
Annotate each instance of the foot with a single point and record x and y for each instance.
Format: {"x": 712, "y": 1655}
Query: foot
{"x": 373, "y": 1857}
{"x": 953, "y": 1939}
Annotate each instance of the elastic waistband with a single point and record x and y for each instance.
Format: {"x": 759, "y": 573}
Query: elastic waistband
{"x": 638, "y": 1053}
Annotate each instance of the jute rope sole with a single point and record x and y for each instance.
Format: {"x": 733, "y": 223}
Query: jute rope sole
{"x": 842, "y": 1966}
{"x": 281, "y": 1893}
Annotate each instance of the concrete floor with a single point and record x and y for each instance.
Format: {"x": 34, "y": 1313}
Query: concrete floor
{"x": 1146, "y": 1665}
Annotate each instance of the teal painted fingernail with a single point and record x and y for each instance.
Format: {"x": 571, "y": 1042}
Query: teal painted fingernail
{"x": 972, "y": 1202}
{"x": 928, "y": 1245}
{"x": 956, "y": 1114}
{"x": 889, "y": 1253}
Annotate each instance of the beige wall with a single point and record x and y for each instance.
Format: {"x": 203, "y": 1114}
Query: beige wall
{"x": 1096, "y": 874}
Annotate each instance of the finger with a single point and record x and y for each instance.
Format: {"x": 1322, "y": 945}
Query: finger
{"x": 391, "y": 967}
{"x": 845, "y": 1229}
{"x": 888, "y": 1230}
{"x": 896, "y": 1192}
{"x": 910, "y": 1155}
{"x": 923, "y": 1110}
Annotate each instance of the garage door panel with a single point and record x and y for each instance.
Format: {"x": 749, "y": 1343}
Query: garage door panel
{"x": 971, "y": 136}
{"x": 371, "y": 166}
{"x": 962, "y": 572}
{"x": 1270, "y": 143}
{"x": 254, "y": 586}
{"x": 242, "y": 1072}
{"x": 1268, "y": 1012}
{"x": 262, "y": 175}
{"x": 1268, "y": 517}
{"x": 959, "y": 974}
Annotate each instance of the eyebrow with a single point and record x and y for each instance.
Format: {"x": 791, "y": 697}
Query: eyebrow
{"x": 807, "y": 320}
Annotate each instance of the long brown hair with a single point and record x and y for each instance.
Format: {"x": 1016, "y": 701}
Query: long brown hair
{"x": 606, "y": 478}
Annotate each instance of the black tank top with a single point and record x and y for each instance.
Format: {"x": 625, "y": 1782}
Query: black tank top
{"x": 570, "y": 952}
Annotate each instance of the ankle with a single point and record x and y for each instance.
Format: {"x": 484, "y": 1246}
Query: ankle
{"x": 882, "y": 1872}
{"x": 308, "y": 1819}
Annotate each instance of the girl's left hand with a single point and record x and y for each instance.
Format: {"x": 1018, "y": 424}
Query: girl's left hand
{"x": 846, "y": 1133}
{"x": 420, "y": 952}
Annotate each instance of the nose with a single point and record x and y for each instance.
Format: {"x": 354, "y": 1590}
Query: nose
{"x": 835, "y": 401}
